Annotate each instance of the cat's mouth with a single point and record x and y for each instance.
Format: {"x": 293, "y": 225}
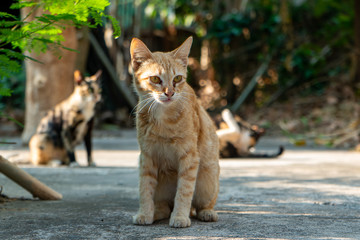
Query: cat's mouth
{"x": 167, "y": 100}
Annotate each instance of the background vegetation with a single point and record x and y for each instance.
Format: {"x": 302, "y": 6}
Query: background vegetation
{"x": 291, "y": 66}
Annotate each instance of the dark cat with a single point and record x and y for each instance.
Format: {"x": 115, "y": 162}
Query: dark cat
{"x": 67, "y": 124}
{"x": 237, "y": 137}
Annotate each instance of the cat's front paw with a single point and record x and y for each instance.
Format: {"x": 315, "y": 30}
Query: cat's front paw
{"x": 207, "y": 215}
{"x": 55, "y": 163}
{"x": 91, "y": 164}
{"x": 180, "y": 222}
{"x": 74, "y": 165}
{"x": 141, "y": 219}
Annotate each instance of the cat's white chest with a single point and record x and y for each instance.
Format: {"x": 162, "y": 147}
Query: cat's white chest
{"x": 88, "y": 109}
{"x": 80, "y": 132}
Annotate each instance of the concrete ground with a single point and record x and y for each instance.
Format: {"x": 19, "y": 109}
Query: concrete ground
{"x": 305, "y": 194}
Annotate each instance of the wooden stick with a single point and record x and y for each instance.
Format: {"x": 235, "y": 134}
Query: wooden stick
{"x": 25, "y": 180}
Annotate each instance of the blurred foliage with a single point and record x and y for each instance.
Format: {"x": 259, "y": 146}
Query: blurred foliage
{"x": 43, "y": 33}
{"x": 304, "y": 38}
{"x": 307, "y": 39}
{"x": 310, "y": 44}
{"x": 15, "y": 97}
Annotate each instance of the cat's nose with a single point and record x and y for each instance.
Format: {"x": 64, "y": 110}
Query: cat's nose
{"x": 169, "y": 94}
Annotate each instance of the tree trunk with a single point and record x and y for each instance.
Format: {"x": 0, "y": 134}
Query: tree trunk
{"x": 49, "y": 83}
{"x": 83, "y": 44}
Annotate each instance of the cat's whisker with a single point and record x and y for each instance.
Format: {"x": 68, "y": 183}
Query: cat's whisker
{"x": 142, "y": 101}
{"x": 183, "y": 97}
{"x": 145, "y": 105}
{"x": 185, "y": 93}
{"x": 150, "y": 100}
{"x": 138, "y": 104}
{"x": 146, "y": 96}
{"x": 154, "y": 102}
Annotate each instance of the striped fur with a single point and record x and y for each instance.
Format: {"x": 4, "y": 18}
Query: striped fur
{"x": 179, "y": 167}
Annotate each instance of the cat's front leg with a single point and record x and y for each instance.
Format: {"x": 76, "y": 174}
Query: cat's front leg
{"x": 87, "y": 140}
{"x": 147, "y": 185}
{"x": 66, "y": 137}
{"x": 188, "y": 168}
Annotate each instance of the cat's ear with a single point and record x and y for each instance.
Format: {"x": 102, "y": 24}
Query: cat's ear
{"x": 97, "y": 75}
{"x": 78, "y": 77}
{"x": 182, "y": 52}
{"x": 139, "y": 53}
{"x": 258, "y": 130}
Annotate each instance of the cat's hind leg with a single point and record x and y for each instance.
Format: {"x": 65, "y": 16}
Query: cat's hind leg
{"x": 207, "y": 215}
{"x": 40, "y": 150}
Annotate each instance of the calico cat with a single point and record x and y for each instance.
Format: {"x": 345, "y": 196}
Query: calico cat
{"x": 179, "y": 159}
{"x": 237, "y": 137}
{"x": 67, "y": 124}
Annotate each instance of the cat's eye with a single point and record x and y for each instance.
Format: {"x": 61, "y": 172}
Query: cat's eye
{"x": 89, "y": 87}
{"x": 155, "y": 79}
{"x": 177, "y": 79}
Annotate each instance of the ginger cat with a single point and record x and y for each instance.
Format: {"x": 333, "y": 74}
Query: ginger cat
{"x": 179, "y": 160}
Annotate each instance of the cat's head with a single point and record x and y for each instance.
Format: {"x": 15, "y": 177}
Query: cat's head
{"x": 159, "y": 77}
{"x": 88, "y": 87}
{"x": 255, "y": 132}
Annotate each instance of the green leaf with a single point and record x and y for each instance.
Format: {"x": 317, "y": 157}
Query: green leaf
{"x": 33, "y": 59}
{"x": 23, "y": 4}
{"x": 7, "y": 15}
{"x": 116, "y": 26}
{"x": 45, "y": 31}
{"x": 5, "y": 91}
{"x": 12, "y": 54}
{"x": 70, "y": 49}
{"x": 8, "y": 24}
